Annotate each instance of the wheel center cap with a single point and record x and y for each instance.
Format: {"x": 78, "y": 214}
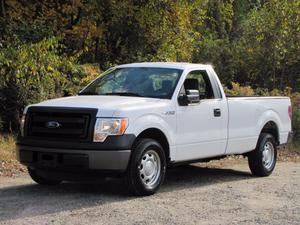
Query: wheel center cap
{"x": 149, "y": 168}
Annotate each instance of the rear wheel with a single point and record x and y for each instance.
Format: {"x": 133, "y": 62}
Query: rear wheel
{"x": 262, "y": 160}
{"x": 147, "y": 167}
{"x": 41, "y": 180}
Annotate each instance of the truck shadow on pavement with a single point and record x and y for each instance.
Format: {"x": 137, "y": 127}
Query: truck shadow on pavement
{"x": 28, "y": 200}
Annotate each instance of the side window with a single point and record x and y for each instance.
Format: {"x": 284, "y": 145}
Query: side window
{"x": 199, "y": 80}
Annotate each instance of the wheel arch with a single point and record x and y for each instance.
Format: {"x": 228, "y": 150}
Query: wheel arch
{"x": 270, "y": 122}
{"x": 272, "y": 128}
{"x": 159, "y": 136}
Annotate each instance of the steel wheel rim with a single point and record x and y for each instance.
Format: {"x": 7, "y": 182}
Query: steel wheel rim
{"x": 268, "y": 155}
{"x": 149, "y": 168}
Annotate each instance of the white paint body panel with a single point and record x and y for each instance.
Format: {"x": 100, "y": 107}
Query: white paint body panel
{"x": 192, "y": 131}
{"x": 247, "y": 117}
{"x": 199, "y": 133}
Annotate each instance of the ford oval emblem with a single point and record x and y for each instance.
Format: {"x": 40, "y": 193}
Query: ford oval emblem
{"x": 53, "y": 124}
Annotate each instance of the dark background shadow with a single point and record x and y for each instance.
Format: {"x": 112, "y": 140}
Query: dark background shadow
{"x": 32, "y": 200}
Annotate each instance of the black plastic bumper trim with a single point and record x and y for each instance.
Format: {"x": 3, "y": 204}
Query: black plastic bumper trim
{"x": 50, "y": 158}
{"x": 123, "y": 142}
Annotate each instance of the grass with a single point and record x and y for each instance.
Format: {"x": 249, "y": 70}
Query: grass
{"x": 7, "y": 148}
{"x": 9, "y": 166}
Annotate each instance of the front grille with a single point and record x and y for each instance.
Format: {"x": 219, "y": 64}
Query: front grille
{"x": 60, "y": 123}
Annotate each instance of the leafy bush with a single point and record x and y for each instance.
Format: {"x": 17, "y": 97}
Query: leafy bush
{"x": 31, "y": 73}
{"x": 238, "y": 90}
{"x": 91, "y": 72}
{"x": 296, "y": 117}
{"x": 296, "y": 125}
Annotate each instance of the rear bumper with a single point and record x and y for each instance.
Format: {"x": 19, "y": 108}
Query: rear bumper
{"x": 73, "y": 160}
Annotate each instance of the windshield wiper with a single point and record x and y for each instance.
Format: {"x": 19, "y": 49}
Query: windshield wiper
{"x": 87, "y": 93}
{"x": 124, "y": 94}
{"x": 112, "y": 93}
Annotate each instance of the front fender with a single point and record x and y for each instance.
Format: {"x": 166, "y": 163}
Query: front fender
{"x": 145, "y": 122}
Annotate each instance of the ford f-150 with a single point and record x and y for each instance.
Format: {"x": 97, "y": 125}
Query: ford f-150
{"x": 137, "y": 119}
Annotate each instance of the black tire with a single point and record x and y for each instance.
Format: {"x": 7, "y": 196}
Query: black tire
{"x": 41, "y": 180}
{"x": 145, "y": 147}
{"x": 257, "y": 163}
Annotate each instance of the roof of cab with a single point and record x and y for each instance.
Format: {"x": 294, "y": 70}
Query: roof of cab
{"x": 174, "y": 65}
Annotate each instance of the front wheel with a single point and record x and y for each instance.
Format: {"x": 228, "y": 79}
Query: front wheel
{"x": 147, "y": 167}
{"x": 262, "y": 160}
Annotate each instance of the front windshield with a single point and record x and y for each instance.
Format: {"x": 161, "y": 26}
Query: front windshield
{"x": 136, "y": 81}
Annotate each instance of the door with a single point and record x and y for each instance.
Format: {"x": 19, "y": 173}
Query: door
{"x": 201, "y": 127}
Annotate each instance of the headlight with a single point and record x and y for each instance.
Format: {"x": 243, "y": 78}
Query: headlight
{"x": 105, "y": 127}
{"x": 22, "y": 125}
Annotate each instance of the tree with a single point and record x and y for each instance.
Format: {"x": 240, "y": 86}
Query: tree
{"x": 31, "y": 73}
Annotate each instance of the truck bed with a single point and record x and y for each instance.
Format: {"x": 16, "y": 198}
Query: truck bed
{"x": 247, "y": 117}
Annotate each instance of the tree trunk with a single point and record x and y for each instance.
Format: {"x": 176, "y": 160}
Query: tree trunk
{"x": 96, "y": 53}
{"x": 2, "y": 18}
{"x": 3, "y": 11}
{"x": 282, "y": 78}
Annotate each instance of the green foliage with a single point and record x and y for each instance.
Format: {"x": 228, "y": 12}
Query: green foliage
{"x": 296, "y": 117}
{"x": 296, "y": 125}
{"x": 253, "y": 42}
{"x": 31, "y": 73}
{"x": 90, "y": 72}
{"x": 268, "y": 47}
{"x": 238, "y": 90}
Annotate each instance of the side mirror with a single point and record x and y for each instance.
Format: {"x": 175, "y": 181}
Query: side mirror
{"x": 191, "y": 97}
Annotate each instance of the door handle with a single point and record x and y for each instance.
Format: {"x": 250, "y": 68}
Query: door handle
{"x": 217, "y": 112}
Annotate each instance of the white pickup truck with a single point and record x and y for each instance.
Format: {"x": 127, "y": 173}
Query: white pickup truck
{"x": 137, "y": 119}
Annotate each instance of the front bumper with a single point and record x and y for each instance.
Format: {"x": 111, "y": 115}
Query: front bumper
{"x": 73, "y": 160}
{"x": 111, "y": 155}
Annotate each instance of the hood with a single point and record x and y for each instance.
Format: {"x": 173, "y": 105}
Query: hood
{"x": 107, "y": 105}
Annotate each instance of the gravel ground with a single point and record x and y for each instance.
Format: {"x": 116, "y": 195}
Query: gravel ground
{"x": 196, "y": 194}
